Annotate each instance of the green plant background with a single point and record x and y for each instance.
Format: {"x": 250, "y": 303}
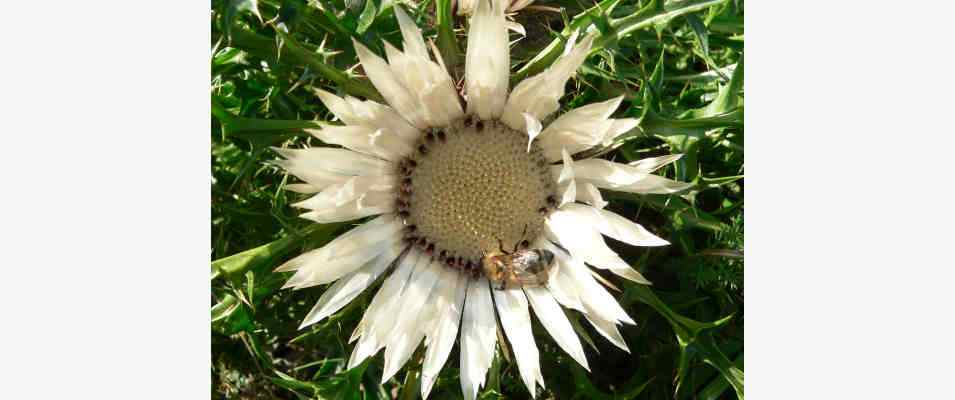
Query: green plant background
{"x": 679, "y": 65}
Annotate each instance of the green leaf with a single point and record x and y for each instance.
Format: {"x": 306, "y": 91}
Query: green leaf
{"x": 663, "y": 127}
{"x": 651, "y": 91}
{"x": 290, "y": 383}
{"x": 720, "y": 181}
{"x": 728, "y": 97}
{"x": 367, "y": 16}
{"x": 275, "y": 128}
{"x": 700, "y": 31}
{"x": 224, "y": 308}
{"x": 447, "y": 43}
{"x": 684, "y": 135}
{"x": 265, "y": 255}
{"x": 691, "y": 336}
{"x": 703, "y": 77}
{"x": 711, "y": 354}
{"x": 714, "y": 389}
{"x": 260, "y": 131}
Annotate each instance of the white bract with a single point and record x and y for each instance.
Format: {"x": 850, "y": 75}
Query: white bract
{"x": 421, "y": 300}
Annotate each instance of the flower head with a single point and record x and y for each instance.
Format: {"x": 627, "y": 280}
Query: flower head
{"x": 452, "y": 179}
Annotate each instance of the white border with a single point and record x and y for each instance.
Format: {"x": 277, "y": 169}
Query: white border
{"x": 105, "y": 200}
{"x": 848, "y": 189}
{"x": 105, "y": 208}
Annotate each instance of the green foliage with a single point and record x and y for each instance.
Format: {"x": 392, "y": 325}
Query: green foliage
{"x": 679, "y": 66}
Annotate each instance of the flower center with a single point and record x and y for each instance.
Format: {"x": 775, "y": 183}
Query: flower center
{"x": 471, "y": 188}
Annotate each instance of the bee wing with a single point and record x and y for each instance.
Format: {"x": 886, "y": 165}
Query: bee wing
{"x": 528, "y": 279}
{"x": 526, "y": 261}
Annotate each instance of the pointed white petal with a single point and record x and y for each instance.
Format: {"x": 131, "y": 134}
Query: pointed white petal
{"x": 533, "y": 129}
{"x": 304, "y": 188}
{"x": 583, "y": 128}
{"x": 568, "y": 193}
{"x": 567, "y": 168}
{"x": 515, "y": 27}
{"x": 595, "y": 298}
{"x": 563, "y": 288}
{"x": 429, "y": 85}
{"x": 654, "y": 163}
{"x": 518, "y": 5}
{"x": 487, "y": 63}
{"x": 365, "y": 140}
{"x": 415, "y": 312}
{"x": 318, "y": 272}
{"x": 337, "y": 106}
{"x": 379, "y": 316}
{"x": 585, "y": 243}
{"x": 322, "y": 166}
{"x": 561, "y": 283}
{"x": 413, "y": 43}
{"x": 368, "y": 114}
{"x": 608, "y": 330}
{"x": 588, "y": 193}
{"x": 567, "y": 186}
{"x": 441, "y": 338}
{"x": 389, "y": 85}
{"x": 621, "y": 177}
{"x": 584, "y": 115}
{"x": 350, "y": 286}
{"x": 388, "y": 319}
{"x": 478, "y": 337}
{"x": 555, "y": 322}
{"x": 367, "y": 234}
{"x": 516, "y": 321}
{"x": 619, "y": 127}
{"x": 315, "y": 179}
{"x": 338, "y": 161}
{"x": 337, "y": 195}
{"x": 371, "y": 203}
{"x": 615, "y": 226}
{"x": 539, "y": 94}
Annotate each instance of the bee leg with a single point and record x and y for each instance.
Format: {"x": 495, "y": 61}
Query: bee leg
{"x": 500, "y": 245}
{"x": 496, "y": 282}
{"x": 524, "y": 233}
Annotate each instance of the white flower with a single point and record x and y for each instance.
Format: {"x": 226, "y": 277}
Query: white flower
{"x": 449, "y": 182}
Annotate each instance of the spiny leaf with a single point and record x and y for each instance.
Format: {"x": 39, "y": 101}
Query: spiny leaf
{"x": 295, "y": 54}
{"x": 234, "y": 7}
{"x": 728, "y": 97}
{"x": 267, "y": 254}
{"x": 714, "y": 389}
{"x": 648, "y": 16}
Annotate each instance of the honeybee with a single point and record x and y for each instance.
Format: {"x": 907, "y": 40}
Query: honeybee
{"x": 519, "y": 268}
